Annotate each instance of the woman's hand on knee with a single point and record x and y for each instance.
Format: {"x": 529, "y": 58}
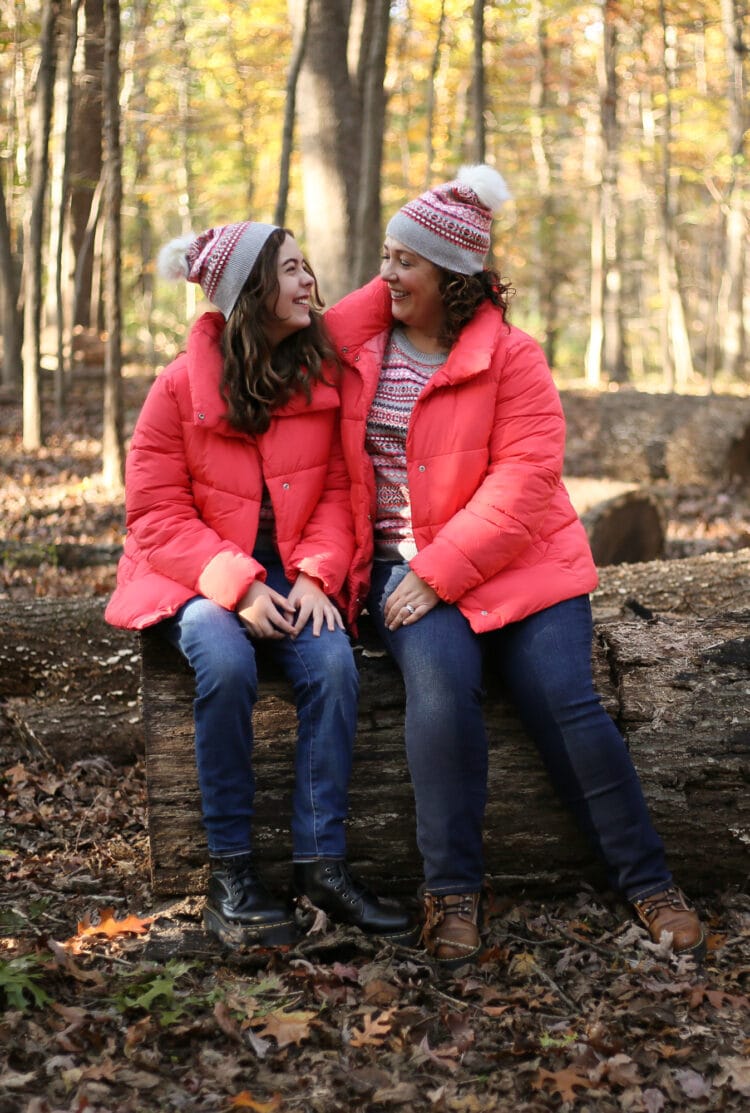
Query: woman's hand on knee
{"x": 265, "y": 612}
{"x": 409, "y": 601}
{"x": 311, "y": 602}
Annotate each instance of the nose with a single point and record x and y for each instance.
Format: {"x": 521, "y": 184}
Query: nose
{"x": 386, "y": 270}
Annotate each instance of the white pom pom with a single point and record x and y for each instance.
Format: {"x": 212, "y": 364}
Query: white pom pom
{"x": 487, "y": 183}
{"x": 172, "y": 260}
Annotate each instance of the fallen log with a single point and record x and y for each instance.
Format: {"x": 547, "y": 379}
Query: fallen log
{"x": 69, "y": 682}
{"x": 638, "y": 436}
{"x": 678, "y": 688}
{"x": 624, "y": 522}
{"x": 671, "y": 661}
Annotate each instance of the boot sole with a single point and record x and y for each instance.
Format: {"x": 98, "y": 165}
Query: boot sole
{"x": 406, "y": 937}
{"x": 696, "y": 952}
{"x": 235, "y": 934}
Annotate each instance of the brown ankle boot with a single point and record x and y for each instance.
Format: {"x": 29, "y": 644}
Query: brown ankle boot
{"x": 451, "y": 927}
{"x": 670, "y": 911}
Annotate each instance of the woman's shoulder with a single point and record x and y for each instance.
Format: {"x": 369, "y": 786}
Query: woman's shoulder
{"x": 360, "y": 315}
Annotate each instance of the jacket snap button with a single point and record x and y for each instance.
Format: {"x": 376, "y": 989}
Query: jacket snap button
{"x": 422, "y": 467}
{"x": 201, "y": 417}
{"x": 344, "y": 349}
{"x": 285, "y": 486}
{"x": 485, "y": 613}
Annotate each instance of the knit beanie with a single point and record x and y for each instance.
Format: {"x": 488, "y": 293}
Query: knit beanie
{"x": 450, "y": 224}
{"x": 219, "y": 259}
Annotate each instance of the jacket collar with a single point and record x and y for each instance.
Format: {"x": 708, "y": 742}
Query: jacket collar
{"x": 366, "y": 320}
{"x": 205, "y": 368}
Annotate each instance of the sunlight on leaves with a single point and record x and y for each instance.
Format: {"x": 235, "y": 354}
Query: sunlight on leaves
{"x": 112, "y": 927}
{"x": 245, "y": 1100}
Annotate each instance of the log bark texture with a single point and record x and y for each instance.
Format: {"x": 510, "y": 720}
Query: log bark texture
{"x": 671, "y": 659}
{"x": 68, "y": 681}
{"x": 640, "y": 437}
{"x": 678, "y": 687}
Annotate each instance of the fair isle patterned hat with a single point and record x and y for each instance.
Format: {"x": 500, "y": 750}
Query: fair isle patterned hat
{"x": 219, "y": 259}
{"x": 450, "y": 224}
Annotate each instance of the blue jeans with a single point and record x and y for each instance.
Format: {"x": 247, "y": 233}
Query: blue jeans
{"x": 325, "y": 682}
{"x": 544, "y": 663}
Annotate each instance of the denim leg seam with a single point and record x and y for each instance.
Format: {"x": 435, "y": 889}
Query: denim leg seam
{"x": 310, "y": 787}
{"x": 650, "y": 891}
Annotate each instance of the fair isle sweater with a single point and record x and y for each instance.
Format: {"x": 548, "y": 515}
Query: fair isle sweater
{"x": 405, "y": 371}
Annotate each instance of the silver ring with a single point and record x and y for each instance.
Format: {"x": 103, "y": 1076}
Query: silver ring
{"x": 408, "y": 607}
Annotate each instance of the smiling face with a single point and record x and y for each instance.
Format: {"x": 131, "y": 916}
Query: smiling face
{"x": 416, "y": 300}
{"x": 289, "y": 310}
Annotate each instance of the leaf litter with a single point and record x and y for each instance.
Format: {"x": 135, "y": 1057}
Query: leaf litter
{"x": 112, "y": 1003}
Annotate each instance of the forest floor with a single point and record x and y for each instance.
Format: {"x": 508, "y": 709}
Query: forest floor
{"x": 115, "y": 1003}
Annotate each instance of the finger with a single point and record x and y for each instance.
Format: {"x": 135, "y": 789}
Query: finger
{"x": 281, "y": 626}
{"x": 281, "y": 602}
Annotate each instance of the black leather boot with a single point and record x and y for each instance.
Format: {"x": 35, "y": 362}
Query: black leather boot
{"x": 328, "y": 885}
{"x": 239, "y": 909}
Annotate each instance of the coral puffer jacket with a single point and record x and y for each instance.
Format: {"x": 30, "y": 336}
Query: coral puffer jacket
{"x": 495, "y": 530}
{"x": 194, "y": 486}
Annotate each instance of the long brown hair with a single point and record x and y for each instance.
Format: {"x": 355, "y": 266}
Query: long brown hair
{"x": 258, "y": 379}
{"x": 462, "y": 296}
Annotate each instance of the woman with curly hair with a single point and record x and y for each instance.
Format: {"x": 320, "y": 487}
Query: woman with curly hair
{"x": 471, "y": 556}
{"x": 240, "y": 534}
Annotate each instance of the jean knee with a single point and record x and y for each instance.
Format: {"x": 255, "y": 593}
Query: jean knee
{"x": 228, "y": 669}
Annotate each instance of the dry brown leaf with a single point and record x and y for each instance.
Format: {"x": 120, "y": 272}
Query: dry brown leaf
{"x": 227, "y": 1022}
{"x": 374, "y": 1031}
{"x": 378, "y": 992}
{"x": 445, "y": 1057}
{"x": 565, "y": 1082}
{"x": 717, "y": 997}
{"x": 245, "y": 1100}
{"x": 523, "y": 965}
{"x": 111, "y": 927}
{"x": 286, "y": 1027}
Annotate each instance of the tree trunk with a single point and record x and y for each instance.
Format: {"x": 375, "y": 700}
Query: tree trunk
{"x": 676, "y": 341}
{"x": 731, "y": 295}
{"x": 113, "y": 450}
{"x": 594, "y": 346}
{"x": 547, "y": 273}
{"x": 86, "y": 156}
{"x": 430, "y": 102}
{"x": 290, "y": 108}
{"x": 32, "y": 317}
{"x": 12, "y": 366}
{"x": 61, "y": 308}
{"x": 478, "y": 82}
{"x": 328, "y": 123}
{"x": 615, "y": 367}
{"x": 371, "y": 76}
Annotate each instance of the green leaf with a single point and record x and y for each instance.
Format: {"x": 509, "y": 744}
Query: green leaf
{"x": 18, "y": 982}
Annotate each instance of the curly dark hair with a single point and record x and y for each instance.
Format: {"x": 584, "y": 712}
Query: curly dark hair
{"x": 462, "y": 296}
{"x": 258, "y": 379}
